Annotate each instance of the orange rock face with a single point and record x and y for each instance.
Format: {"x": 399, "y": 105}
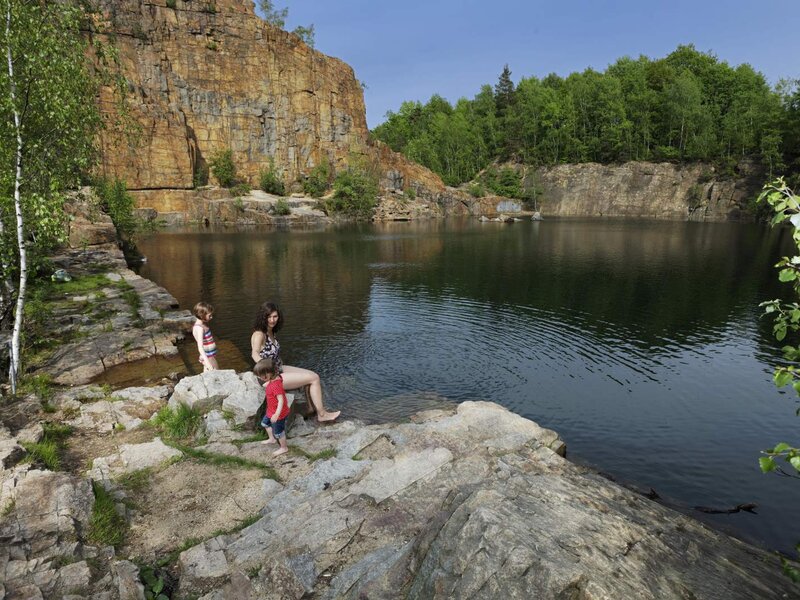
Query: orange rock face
{"x": 211, "y": 75}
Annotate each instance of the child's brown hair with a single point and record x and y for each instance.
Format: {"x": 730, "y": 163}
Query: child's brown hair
{"x": 202, "y": 310}
{"x": 265, "y": 369}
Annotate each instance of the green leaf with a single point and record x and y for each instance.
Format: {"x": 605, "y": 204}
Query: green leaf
{"x": 795, "y": 462}
{"x": 787, "y": 275}
{"x": 767, "y": 464}
{"x": 782, "y": 447}
{"x": 782, "y": 378}
{"x": 158, "y": 586}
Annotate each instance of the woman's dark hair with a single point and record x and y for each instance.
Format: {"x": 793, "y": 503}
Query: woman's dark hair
{"x": 264, "y": 311}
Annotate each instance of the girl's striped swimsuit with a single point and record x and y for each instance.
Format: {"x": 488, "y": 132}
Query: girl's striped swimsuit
{"x": 209, "y": 347}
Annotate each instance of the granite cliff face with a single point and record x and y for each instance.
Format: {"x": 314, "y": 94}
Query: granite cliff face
{"x": 208, "y": 75}
{"x": 649, "y": 190}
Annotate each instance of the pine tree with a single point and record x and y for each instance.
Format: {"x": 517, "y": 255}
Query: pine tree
{"x": 504, "y": 92}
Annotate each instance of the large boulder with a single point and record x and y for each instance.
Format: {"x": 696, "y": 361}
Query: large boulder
{"x": 240, "y": 395}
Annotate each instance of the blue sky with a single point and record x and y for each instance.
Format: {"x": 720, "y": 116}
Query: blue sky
{"x": 412, "y": 49}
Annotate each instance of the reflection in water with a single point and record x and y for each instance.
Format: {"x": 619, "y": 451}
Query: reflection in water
{"x": 639, "y": 342}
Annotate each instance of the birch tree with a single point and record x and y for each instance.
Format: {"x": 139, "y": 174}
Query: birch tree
{"x": 47, "y": 124}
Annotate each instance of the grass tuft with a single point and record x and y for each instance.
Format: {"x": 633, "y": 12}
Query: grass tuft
{"x": 106, "y": 525}
{"x": 178, "y": 424}
{"x": 223, "y": 460}
{"x": 312, "y": 457}
{"x": 135, "y": 482}
{"x": 47, "y": 452}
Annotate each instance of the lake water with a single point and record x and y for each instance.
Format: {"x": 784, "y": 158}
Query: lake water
{"x": 641, "y": 343}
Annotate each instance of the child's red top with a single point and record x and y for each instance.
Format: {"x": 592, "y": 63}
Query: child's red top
{"x": 274, "y": 388}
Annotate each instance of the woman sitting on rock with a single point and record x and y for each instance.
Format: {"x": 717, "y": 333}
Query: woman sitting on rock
{"x": 264, "y": 344}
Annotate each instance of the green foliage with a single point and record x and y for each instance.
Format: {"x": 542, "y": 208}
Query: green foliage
{"x": 270, "y": 181}
{"x": 40, "y": 385}
{"x": 222, "y": 168}
{"x": 687, "y": 106}
{"x": 223, "y": 460}
{"x": 154, "y": 584}
{"x": 47, "y": 452}
{"x": 272, "y": 15}
{"x": 135, "y": 482}
{"x": 48, "y": 121}
{"x": 476, "y": 190}
{"x": 410, "y": 193}
{"x": 277, "y": 17}
{"x": 44, "y": 453}
{"x": 106, "y": 526}
{"x": 241, "y": 189}
{"x": 313, "y": 456}
{"x": 171, "y": 4}
{"x": 784, "y": 458}
{"x": 178, "y": 424}
{"x": 118, "y": 204}
{"x": 306, "y": 34}
{"x": 504, "y": 182}
{"x": 355, "y": 192}
{"x": 317, "y": 182}
{"x": 200, "y": 175}
{"x": 282, "y": 208}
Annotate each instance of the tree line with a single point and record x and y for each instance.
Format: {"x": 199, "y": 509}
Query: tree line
{"x": 688, "y": 106}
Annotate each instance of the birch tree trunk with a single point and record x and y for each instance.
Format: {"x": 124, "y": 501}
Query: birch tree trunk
{"x": 15, "y": 366}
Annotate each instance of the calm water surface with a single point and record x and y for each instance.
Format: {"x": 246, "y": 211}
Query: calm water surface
{"x": 639, "y": 342}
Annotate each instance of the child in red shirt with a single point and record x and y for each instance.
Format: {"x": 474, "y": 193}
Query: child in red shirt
{"x": 274, "y": 420}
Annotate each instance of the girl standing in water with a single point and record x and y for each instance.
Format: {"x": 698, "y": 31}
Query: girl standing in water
{"x": 201, "y": 332}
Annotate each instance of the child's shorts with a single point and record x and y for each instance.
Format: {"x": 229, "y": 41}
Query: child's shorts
{"x": 278, "y": 427}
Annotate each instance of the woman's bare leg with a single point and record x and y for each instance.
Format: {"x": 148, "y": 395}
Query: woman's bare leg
{"x": 295, "y": 377}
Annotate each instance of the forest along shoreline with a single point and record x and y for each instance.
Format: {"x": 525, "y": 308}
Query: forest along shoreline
{"x": 101, "y": 487}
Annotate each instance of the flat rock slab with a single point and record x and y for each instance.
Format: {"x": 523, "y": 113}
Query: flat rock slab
{"x": 125, "y": 409}
{"x": 132, "y": 457}
{"x": 446, "y": 507}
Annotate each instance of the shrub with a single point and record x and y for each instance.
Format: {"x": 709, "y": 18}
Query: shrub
{"x": 505, "y": 182}
{"x": 200, "y": 175}
{"x": 171, "y": 4}
{"x": 477, "y": 190}
{"x": 222, "y": 167}
{"x": 317, "y": 182}
{"x": 118, "y": 204}
{"x": 270, "y": 181}
{"x": 241, "y": 189}
{"x": 355, "y": 192}
{"x": 410, "y": 193}
{"x": 282, "y": 208}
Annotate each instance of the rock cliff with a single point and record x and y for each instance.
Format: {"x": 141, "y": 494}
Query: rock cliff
{"x": 650, "y": 190}
{"x": 208, "y": 75}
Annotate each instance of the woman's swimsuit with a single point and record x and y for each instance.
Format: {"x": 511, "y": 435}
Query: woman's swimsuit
{"x": 272, "y": 349}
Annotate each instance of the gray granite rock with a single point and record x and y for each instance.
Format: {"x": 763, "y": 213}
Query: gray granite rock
{"x": 132, "y": 457}
{"x": 446, "y": 508}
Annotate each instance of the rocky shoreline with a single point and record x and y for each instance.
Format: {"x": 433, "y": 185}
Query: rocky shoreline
{"x": 113, "y": 493}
